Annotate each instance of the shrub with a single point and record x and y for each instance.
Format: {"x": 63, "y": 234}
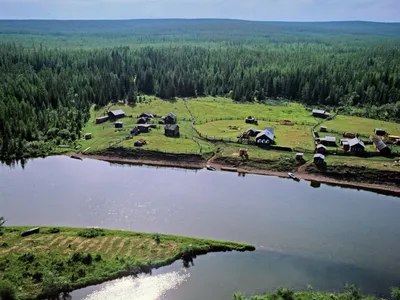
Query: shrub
{"x": 7, "y": 290}
{"x": 156, "y": 237}
{"x": 352, "y": 292}
{"x": 4, "y": 244}
{"x": 97, "y": 257}
{"x": 395, "y": 293}
{"x": 87, "y": 259}
{"x": 53, "y": 285}
{"x": 53, "y": 230}
{"x": 64, "y": 134}
{"x": 37, "y": 277}
{"x": 27, "y": 257}
{"x": 283, "y": 293}
{"x": 76, "y": 257}
{"x": 91, "y": 232}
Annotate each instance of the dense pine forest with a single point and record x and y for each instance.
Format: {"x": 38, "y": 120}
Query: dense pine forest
{"x": 51, "y": 72}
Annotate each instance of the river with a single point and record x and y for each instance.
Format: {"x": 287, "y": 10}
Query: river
{"x": 324, "y": 237}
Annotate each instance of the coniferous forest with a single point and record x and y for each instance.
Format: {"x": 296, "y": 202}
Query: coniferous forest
{"x": 51, "y": 75}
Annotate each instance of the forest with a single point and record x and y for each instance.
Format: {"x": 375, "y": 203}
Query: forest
{"x": 47, "y": 88}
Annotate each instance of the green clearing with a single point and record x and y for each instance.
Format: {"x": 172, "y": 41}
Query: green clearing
{"x": 210, "y": 108}
{"x": 53, "y": 261}
{"x": 361, "y": 125}
{"x": 377, "y": 163}
{"x": 297, "y": 136}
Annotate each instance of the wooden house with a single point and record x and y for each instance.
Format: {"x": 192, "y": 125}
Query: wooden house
{"x": 146, "y": 115}
{"x": 265, "y": 137}
{"x": 171, "y": 130}
{"x": 345, "y": 144}
{"x": 380, "y": 132}
{"x": 144, "y": 128}
{"x": 329, "y": 141}
{"x": 88, "y": 136}
{"x": 141, "y": 120}
{"x": 355, "y": 145}
{"x": 323, "y": 129}
{"x": 381, "y": 146}
{"x": 135, "y": 131}
{"x": 116, "y": 114}
{"x": 318, "y": 113}
{"x": 170, "y": 118}
{"x": 251, "y": 120}
{"x": 319, "y": 159}
{"x": 119, "y": 124}
{"x": 299, "y": 156}
{"x": 320, "y": 149}
{"x": 349, "y": 135}
{"x": 102, "y": 119}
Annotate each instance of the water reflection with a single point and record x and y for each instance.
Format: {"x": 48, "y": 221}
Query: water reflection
{"x": 315, "y": 184}
{"x": 142, "y": 287}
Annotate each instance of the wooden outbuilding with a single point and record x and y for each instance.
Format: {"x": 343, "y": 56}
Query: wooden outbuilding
{"x": 328, "y": 141}
{"x": 146, "y": 115}
{"x": 381, "y": 146}
{"x": 320, "y": 149}
{"x": 356, "y": 145}
{"x": 349, "y": 135}
{"x": 144, "y": 128}
{"x": 265, "y": 137}
{"x": 171, "y": 130}
{"x": 88, "y": 136}
{"x": 116, "y": 114}
{"x": 170, "y": 118}
{"x": 141, "y": 120}
{"x": 299, "y": 156}
{"x": 318, "y": 113}
{"x": 251, "y": 120}
{"x": 380, "y": 132}
{"x": 319, "y": 159}
{"x": 323, "y": 129}
{"x": 119, "y": 124}
{"x": 102, "y": 119}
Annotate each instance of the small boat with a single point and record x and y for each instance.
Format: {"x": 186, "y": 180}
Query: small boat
{"x": 211, "y": 168}
{"x": 76, "y": 157}
{"x": 30, "y": 231}
{"x": 291, "y": 175}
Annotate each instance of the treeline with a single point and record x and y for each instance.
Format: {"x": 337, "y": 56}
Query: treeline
{"x": 45, "y": 94}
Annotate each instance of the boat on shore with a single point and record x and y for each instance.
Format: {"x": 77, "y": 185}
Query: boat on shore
{"x": 76, "y": 157}
{"x": 293, "y": 176}
{"x": 211, "y": 168}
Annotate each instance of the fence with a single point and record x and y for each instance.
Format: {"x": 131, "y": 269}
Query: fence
{"x": 204, "y": 121}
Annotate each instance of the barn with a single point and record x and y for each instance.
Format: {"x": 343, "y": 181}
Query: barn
{"x": 116, "y": 114}
{"x": 318, "y": 113}
{"x": 319, "y": 159}
{"x": 144, "y": 128}
{"x": 380, "y": 132}
{"x": 142, "y": 120}
{"x": 320, "y": 149}
{"x": 328, "y": 141}
{"x": 119, "y": 124}
{"x": 170, "y": 118}
{"x": 355, "y": 145}
{"x": 381, "y": 146}
{"x": 146, "y": 115}
{"x": 171, "y": 130}
{"x": 102, "y": 119}
{"x": 266, "y": 136}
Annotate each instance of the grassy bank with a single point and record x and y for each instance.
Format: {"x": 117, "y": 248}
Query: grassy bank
{"x": 350, "y": 293}
{"x": 63, "y": 259}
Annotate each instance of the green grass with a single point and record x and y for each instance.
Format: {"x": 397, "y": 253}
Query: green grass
{"x": 30, "y": 263}
{"x": 297, "y": 136}
{"x": 377, "y": 163}
{"x": 361, "y": 125}
{"x": 207, "y": 108}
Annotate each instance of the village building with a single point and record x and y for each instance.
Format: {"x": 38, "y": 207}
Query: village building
{"x": 299, "y": 156}
{"x": 380, "y": 132}
{"x": 323, "y": 129}
{"x": 144, "y": 128}
{"x": 146, "y": 115}
{"x": 119, "y": 124}
{"x": 102, "y": 119}
{"x": 116, "y": 114}
{"x": 349, "y": 135}
{"x": 251, "y": 132}
{"x": 170, "y": 118}
{"x": 328, "y": 141}
{"x": 141, "y": 120}
{"x": 319, "y": 159}
{"x": 346, "y": 145}
{"x": 320, "y": 149}
{"x": 318, "y": 113}
{"x": 266, "y": 136}
{"x": 88, "y": 136}
{"x": 135, "y": 131}
{"x": 171, "y": 130}
{"x": 140, "y": 143}
{"x": 393, "y": 138}
{"x": 251, "y": 120}
{"x": 356, "y": 145}
{"x": 381, "y": 146}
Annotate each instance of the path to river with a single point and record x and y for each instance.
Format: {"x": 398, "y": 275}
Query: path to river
{"x": 323, "y": 236}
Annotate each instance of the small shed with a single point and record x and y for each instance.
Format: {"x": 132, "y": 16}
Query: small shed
{"x": 381, "y": 146}
{"x": 343, "y": 141}
{"x": 299, "y": 156}
{"x": 319, "y": 159}
{"x": 135, "y": 131}
{"x": 329, "y": 141}
{"x": 356, "y": 145}
{"x": 171, "y": 130}
{"x": 116, "y": 114}
{"x": 320, "y": 149}
{"x": 119, "y": 124}
{"x": 142, "y": 120}
{"x": 102, "y": 119}
{"x": 380, "y": 132}
{"x": 393, "y": 138}
{"x": 140, "y": 143}
{"x": 170, "y": 118}
{"x": 146, "y": 115}
{"x": 346, "y": 145}
{"x": 319, "y": 113}
{"x": 251, "y": 120}
{"x": 265, "y": 137}
{"x": 323, "y": 129}
{"x": 144, "y": 128}
{"x": 349, "y": 135}
{"x": 88, "y": 136}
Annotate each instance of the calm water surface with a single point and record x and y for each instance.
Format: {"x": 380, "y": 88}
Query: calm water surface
{"x": 324, "y": 237}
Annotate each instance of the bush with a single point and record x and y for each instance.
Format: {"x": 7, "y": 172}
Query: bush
{"x": 97, "y": 258}
{"x": 87, "y": 259}
{"x": 352, "y": 292}
{"x": 53, "y": 285}
{"x": 27, "y": 257}
{"x": 7, "y": 290}
{"x": 283, "y": 293}
{"x": 64, "y": 134}
{"x": 156, "y": 237}
{"x": 4, "y": 244}
{"x": 91, "y": 232}
{"x": 53, "y": 230}
{"x": 395, "y": 293}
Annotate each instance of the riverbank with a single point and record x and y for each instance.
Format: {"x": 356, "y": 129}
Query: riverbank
{"x": 63, "y": 259}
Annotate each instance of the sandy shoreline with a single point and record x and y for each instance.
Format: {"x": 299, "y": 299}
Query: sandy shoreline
{"x": 188, "y": 164}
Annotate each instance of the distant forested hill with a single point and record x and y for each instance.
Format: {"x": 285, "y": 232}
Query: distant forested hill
{"x": 52, "y": 71}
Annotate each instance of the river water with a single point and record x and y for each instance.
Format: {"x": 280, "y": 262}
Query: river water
{"x": 324, "y": 237}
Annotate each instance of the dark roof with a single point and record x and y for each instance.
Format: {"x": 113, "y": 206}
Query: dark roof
{"x": 147, "y": 114}
{"x": 171, "y": 127}
{"x": 379, "y": 144}
{"x": 267, "y": 133}
{"x": 142, "y": 118}
{"x": 319, "y": 155}
{"x": 143, "y": 125}
{"x": 119, "y": 122}
{"x": 118, "y": 112}
{"x": 251, "y": 129}
{"x": 329, "y": 139}
{"x": 356, "y": 141}
{"x": 321, "y": 146}
{"x": 102, "y": 118}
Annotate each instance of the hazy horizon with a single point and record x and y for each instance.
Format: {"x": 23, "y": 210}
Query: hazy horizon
{"x": 250, "y": 10}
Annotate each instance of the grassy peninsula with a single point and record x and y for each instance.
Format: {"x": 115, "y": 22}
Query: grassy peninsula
{"x": 62, "y": 259}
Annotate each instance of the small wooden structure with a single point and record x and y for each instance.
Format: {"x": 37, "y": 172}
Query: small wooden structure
{"x": 170, "y": 118}
{"x": 319, "y": 113}
{"x": 299, "y": 156}
{"x": 116, "y": 114}
{"x": 265, "y": 137}
{"x": 346, "y": 146}
{"x": 140, "y": 143}
{"x": 30, "y": 231}
{"x": 286, "y": 122}
{"x": 102, "y": 119}
{"x": 320, "y": 149}
{"x": 243, "y": 153}
{"x": 251, "y": 120}
{"x": 144, "y": 128}
{"x": 323, "y": 129}
{"x": 141, "y": 120}
{"x": 171, "y": 130}
{"x": 251, "y": 132}
{"x": 135, "y": 131}
{"x": 146, "y": 115}
{"x": 393, "y": 138}
{"x": 119, "y": 124}
{"x": 381, "y": 146}
{"x": 88, "y": 136}
{"x": 349, "y": 135}
{"x": 319, "y": 159}
{"x": 380, "y": 132}
{"x": 328, "y": 141}
{"x": 355, "y": 145}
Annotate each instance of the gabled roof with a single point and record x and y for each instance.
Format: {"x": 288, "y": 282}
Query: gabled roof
{"x": 267, "y": 133}
{"x": 319, "y": 155}
{"x": 318, "y": 111}
{"x": 171, "y": 127}
{"x": 270, "y": 129}
{"x": 379, "y": 144}
{"x": 119, "y": 122}
{"x": 118, "y": 112}
{"x": 329, "y": 139}
{"x": 147, "y": 114}
{"x": 320, "y": 146}
{"x": 356, "y": 141}
{"x": 143, "y": 125}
